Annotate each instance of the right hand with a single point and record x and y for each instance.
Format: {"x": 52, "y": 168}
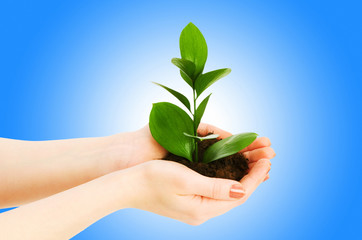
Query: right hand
{"x": 173, "y": 190}
{"x": 139, "y": 147}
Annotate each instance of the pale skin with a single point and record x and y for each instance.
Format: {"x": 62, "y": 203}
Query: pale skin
{"x": 64, "y": 186}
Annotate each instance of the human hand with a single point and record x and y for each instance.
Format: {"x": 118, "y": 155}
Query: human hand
{"x": 139, "y": 146}
{"x": 163, "y": 187}
{"x": 173, "y": 190}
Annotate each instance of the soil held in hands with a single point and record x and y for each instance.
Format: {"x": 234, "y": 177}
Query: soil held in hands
{"x": 232, "y": 167}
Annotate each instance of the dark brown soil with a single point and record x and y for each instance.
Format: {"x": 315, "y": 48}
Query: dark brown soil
{"x": 231, "y": 167}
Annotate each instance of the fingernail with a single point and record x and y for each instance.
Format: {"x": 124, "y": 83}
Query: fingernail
{"x": 237, "y": 191}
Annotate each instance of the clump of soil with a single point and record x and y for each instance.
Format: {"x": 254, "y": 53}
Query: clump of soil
{"x": 232, "y": 167}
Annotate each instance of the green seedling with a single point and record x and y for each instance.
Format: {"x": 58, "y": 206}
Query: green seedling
{"x": 172, "y": 127}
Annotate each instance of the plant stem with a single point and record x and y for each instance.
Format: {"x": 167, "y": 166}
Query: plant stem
{"x": 196, "y": 153}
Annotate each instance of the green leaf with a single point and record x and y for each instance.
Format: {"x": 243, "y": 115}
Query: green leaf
{"x": 167, "y": 124}
{"x": 206, "y": 80}
{"x": 211, "y": 136}
{"x": 200, "y": 110}
{"x": 187, "y": 79}
{"x": 193, "y": 48}
{"x": 228, "y": 146}
{"x": 186, "y": 68}
{"x": 178, "y": 95}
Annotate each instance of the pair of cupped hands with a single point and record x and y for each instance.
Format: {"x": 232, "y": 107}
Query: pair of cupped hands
{"x": 173, "y": 190}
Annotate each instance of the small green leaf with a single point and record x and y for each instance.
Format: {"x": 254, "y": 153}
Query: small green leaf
{"x": 187, "y": 79}
{"x": 178, "y": 95}
{"x": 167, "y": 124}
{"x": 186, "y": 68}
{"x": 200, "y": 110}
{"x": 228, "y": 146}
{"x": 211, "y": 136}
{"x": 206, "y": 80}
{"x": 193, "y": 48}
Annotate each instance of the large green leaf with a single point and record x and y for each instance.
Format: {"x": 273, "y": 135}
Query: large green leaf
{"x": 228, "y": 146}
{"x": 206, "y": 80}
{"x": 187, "y": 69}
{"x": 200, "y": 110}
{"x": 193, "y": 48}
{"x": 167, "y": 124}
{"x": 178, "y": 95}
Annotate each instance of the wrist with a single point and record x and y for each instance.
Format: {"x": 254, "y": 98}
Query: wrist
{"x": 118, "y": 151}
{"x": 124, "y": 189}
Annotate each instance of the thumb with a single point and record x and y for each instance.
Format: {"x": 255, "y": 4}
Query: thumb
{"x": 216, "y": 188}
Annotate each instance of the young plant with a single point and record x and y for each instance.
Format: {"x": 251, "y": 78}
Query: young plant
{"x": 171, "y": 126}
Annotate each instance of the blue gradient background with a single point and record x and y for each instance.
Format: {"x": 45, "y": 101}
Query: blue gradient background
{"x": 83, "y": 68}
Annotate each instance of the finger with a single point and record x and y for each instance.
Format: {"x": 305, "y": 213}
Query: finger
{"x": 267, "y": 176}
{"x": 251, "y": 165}
{"x": 256, "y": 175}
{"x": 205, "y": 128}
{"x": 214, "y": 188}
{"x": 258, "y": 143}
{"x": 257, "y": 154}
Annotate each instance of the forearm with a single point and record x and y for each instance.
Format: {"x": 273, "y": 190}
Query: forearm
{"x": 33, "y": 170}
{"x": 65, "y": 214}
{"x": 21, "y": 152}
